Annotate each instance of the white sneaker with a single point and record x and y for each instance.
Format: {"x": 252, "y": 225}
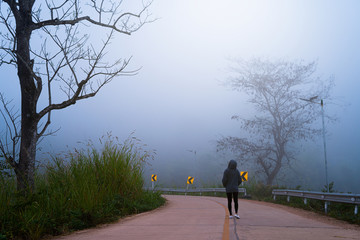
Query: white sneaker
{"x": 231, "y": 217}
{"x": 237, "y": 216}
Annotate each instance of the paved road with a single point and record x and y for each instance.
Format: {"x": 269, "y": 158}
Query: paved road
{"x": 189, "y": 217}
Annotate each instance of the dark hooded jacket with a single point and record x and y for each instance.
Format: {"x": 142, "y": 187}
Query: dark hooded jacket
{"x": 231, "y": 179}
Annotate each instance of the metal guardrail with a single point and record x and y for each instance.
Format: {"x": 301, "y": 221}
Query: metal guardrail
{"x": 193, "y": 190}
{"x": 327, "y": 197}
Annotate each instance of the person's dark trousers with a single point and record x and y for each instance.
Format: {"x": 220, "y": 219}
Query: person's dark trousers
{"x": 230, "y": 196}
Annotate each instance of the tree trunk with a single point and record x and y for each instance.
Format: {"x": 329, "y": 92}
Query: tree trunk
{"x": 26, "y": 167}
{"x": 275, "y": 171}
{"x": 29, "y": 97}
{"x": 271, "y": 177}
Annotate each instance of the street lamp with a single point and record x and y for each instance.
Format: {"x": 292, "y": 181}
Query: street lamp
{"x": 311, "y": 100}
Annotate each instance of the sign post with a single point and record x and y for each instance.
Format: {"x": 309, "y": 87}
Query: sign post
{"x": 244, "y": 177}
{"x": 153, "y": 180}
{"x": 189, "y": 181}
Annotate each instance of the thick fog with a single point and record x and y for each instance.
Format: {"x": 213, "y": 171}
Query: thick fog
{"x": 177, "y": 104}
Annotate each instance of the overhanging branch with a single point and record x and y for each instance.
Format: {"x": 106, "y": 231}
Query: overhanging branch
{"x": 57, "y": 22}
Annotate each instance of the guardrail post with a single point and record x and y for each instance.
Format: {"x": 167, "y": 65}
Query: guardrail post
{"x": 274, "y": 197}
{"x": 326, "y": 206}
{"x": 288, "y": 198}
{"x": 356, "y": 210}
{"x": 305, "y": 201}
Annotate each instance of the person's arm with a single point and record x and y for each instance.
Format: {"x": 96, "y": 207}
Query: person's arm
{"x": 224, "y": 179}
{"x": 239, "y": 178}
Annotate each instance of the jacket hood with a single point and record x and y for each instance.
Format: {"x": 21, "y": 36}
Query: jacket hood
{"x": 232, "y": 164}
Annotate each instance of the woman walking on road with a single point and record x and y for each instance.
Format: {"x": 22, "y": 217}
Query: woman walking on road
{"x": 231, "y": 181}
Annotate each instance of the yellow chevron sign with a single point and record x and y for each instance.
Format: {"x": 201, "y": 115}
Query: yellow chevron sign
{"x": 244, "y": 176}
{"x": 190, "y": 180}
{"x": 153, "y": 178}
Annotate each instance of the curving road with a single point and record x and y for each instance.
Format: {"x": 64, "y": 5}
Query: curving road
{"x": 190, "y": 217}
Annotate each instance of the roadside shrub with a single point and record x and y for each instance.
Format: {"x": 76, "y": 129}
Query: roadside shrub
{"x": 259, "y": 190}
{"x": 85, "y": 188}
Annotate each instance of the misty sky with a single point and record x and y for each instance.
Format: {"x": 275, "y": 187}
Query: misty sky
{"x": 177, "y": 102}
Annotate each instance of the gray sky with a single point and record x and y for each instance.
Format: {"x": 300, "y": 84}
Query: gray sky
{"x": 177, "y": 103}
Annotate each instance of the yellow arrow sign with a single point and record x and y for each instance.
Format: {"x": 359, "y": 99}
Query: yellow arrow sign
{"x": 153, "y": 178}
{"x": 244, "y": 176}
{"x": 190, "y": 180}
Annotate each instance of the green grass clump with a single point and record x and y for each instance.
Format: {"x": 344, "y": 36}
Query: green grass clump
{"x": 259, "y": 191}
{"x": 89, "y": 188}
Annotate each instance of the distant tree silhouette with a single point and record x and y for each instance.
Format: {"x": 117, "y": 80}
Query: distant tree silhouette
{"x": 275, "y": 89}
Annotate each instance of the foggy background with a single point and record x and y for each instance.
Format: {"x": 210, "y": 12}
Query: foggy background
{"x": 177, "y": 105}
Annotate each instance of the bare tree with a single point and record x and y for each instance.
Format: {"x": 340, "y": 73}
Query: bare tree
{"x": 49, "y": 43}
{"x": 275, "y": 89}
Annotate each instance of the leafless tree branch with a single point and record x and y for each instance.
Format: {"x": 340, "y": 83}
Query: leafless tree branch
{"x": 12, "y": 134}
{"x": 123, "y": 19}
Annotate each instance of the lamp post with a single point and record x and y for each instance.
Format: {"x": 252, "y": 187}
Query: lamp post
{"x": 311, "y": 100}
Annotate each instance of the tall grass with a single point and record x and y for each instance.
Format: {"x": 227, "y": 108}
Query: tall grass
{"x": 86, "y": 188}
